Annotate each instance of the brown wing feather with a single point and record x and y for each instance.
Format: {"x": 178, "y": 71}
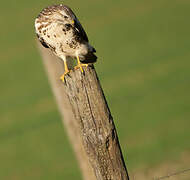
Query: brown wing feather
{"x": 80, "y": 30}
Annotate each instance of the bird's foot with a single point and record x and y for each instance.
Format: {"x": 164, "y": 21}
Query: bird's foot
{"x": 62, "y": 78}
{"x": 79, "y": 66}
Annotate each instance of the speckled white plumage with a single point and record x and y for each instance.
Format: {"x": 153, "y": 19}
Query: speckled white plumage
{"x": 58, "y": 29}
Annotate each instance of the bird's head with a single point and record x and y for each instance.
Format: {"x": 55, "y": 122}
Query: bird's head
{"x": 64, "y": 15}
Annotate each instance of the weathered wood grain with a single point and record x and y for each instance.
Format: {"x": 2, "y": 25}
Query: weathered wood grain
{"x": 55, "y": 68}
{"x": 95, "y": 124}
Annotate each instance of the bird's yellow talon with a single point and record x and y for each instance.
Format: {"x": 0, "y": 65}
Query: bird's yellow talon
{"x": 79, "y": 65}
{"x": 62, "y": 78}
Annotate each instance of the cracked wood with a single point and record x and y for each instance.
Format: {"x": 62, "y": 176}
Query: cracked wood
{"x": 96, "y": 125}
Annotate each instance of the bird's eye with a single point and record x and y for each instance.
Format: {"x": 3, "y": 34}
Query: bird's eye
{"x": 66, "y": 17}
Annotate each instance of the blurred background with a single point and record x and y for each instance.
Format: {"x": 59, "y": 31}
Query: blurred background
{"x": 144, "y": 68}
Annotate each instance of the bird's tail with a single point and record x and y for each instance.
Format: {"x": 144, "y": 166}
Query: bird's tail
{"x": 89, "y": 58}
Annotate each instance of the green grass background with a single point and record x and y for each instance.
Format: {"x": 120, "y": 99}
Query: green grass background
{"x": 143, "y": 49}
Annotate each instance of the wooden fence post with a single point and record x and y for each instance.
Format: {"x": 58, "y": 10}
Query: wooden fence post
{"x": 96, "y": 124}
{"x": 89, "y": 117}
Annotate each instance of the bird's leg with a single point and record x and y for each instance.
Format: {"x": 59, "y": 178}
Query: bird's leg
{"x": 66, "y": 70}
{"x": 79, "y": 64}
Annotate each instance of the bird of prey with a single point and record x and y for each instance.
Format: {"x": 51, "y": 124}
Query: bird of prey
{"x": 58, "y": 29}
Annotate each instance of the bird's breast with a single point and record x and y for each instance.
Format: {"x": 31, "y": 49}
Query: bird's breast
{"x": 63, "y": 39}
